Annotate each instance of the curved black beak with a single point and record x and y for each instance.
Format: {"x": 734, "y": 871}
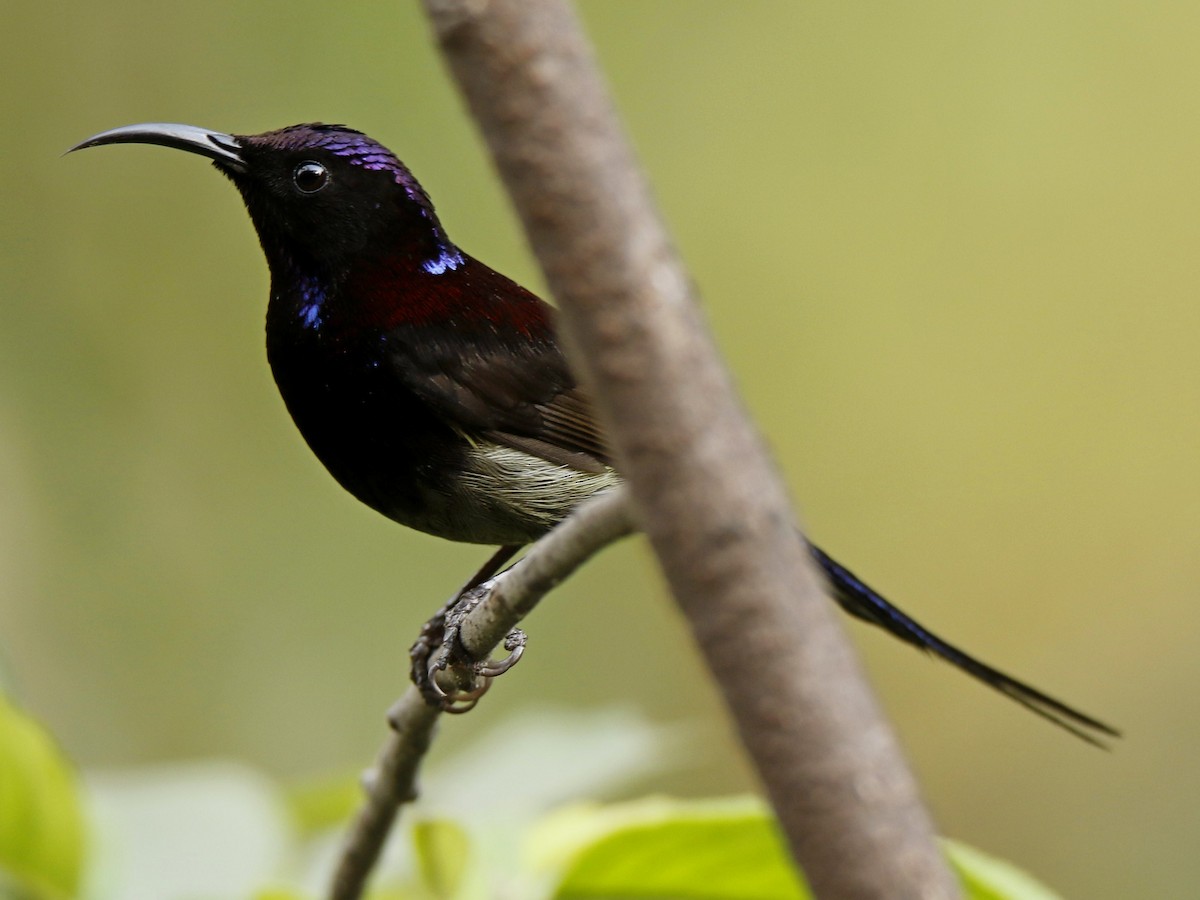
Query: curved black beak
{"x": 223, "y": 148}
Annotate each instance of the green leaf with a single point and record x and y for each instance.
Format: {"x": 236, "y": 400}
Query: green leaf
{"x": 41, "y": 825}
{"x": 442, "y": 855}
{"x": 704, "y": 850}
{"x": 279, "y": 893}
{"x": 985, "y": 877}
{"x": 324, "y": 803}
{"x": 656, "y": 848}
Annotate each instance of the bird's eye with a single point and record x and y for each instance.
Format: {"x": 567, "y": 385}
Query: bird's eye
{"x": 310, "y": 177}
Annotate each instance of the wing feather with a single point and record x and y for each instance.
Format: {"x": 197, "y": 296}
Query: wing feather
{"x": 500, "y": 376}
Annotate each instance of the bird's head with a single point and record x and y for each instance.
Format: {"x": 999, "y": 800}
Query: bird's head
{"x": 323, "y": 196}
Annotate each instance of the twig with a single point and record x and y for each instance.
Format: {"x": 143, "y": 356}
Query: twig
{"x": 702, "y": 484}
{"x": 509, "y": 597}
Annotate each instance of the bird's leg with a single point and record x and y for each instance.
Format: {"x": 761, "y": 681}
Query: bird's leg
{"x": 439, "y": 640}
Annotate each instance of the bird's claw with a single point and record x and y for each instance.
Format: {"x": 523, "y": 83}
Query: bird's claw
{"x": 438, "y": 657}
{"x": 514, "y": 643}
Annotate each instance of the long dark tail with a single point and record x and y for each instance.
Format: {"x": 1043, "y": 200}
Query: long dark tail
{"x": 859, "y": 600}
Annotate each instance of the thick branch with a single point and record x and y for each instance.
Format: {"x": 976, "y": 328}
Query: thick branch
{"x": 702, "y": 484}
{"x": 509, "y": 597}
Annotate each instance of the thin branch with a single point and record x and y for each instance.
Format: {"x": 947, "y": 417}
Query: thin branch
{"x": 506, "y": 599}
{"x": 702, "y": 484}
{"x": 391, "y": 783}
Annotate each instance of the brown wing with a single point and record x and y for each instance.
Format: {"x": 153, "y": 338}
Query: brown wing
{"x": 528, "y": 404}
{"x": 569, "y": 434}
{"x": 503, "y": 378}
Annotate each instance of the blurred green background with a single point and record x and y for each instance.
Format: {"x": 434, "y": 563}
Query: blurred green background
{"x": 950, "y": 251}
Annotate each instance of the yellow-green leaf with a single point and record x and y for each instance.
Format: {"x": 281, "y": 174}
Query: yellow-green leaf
{"x": 442, "y": 855}
{"x": 711, "y": 850}
{"x": 41, "y": 825}
{"x": 985, "y": 877}
{"x": 325, "y": 803}
{"x": 705, "y": 850}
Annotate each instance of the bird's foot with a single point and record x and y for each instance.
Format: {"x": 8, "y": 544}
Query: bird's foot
{"x": 442, "y": 668}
